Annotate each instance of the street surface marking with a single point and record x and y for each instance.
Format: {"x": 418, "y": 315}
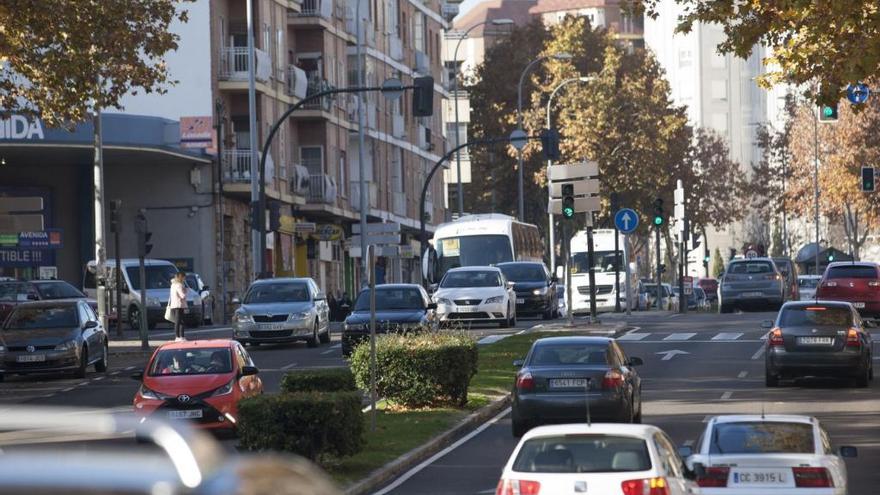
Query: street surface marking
{"x": 329, "y": 351}
{"x": 129, "y": 368}
{"x": 671, "y": 354}
{"x": 679, "y": 336}
{"x": 758, "y": 353}
{"x": 673, "y": 315}
{"x": 694, "y": 341}
{"x": 726, "y": 395}
{"x": 742, "y": 374}
{"x": 427, "y": 462}
{"x": 633, "y": 336}
{"x": 727, "y": 336}
{"x": 688, "y": 443}
{"x": 68, "y": 389}
{"x": 491, "y": 339}
{"x": 98, "y": 378}
{"x": 288, "y": 366}
{"x": 115, "y": 373}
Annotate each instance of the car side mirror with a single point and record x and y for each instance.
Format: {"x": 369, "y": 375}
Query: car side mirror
{"x": 236, "y": 300}
{"x": 432, "y": 306}
{"x": 849, "y": 452}
{"x": 249, "y": 370}
{"x": 320, "y": 296}
{"x": 635, "y": 361}
{"x": 89, "y": 324}
{"x": 433, "y": 287}
{"x": 766, "y": 324}
{"x": 138, "y": 376}
{"x": 206, "y": 287}
{"x": 519, "y": 362}
{"x": 686, "y": 451}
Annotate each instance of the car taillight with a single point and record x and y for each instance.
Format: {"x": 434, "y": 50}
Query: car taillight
{"x": 524, "y": 381}
{"x": 829, "y": 284}
{"x": 518, "y": 487}
{"x": 852, "y": 338}
{"x": 775, "y": 337}
{"x": 812, "y": 477}
{"x": 714, "y": 477}
{"x": 647, "y": 486}
{"x": 612, "y": 379}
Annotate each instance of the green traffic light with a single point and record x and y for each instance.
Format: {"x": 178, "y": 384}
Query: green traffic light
{"x": 827, "y": 111}
{"x": 568, "y": 212}
{"x": 658, "y": 220}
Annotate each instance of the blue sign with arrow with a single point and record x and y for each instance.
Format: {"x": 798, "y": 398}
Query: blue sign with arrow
{"x": 626, "y": 220}
{"x": 857, "y": 93}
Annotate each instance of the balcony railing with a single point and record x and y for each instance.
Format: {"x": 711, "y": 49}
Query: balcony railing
{"x": 234, "y": 64}
{"x": 324, "y": 103}
{"x": 237, "y": 165}
{"x": 315, "y": 8}
{"x": 322, "y": 189}
{"x": 355, "y": 195}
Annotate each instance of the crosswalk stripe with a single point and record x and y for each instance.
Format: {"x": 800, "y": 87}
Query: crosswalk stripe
{"x": 679, "y": 336}
{"x": 727, "y": 336}
{"x": 633, "y": 336}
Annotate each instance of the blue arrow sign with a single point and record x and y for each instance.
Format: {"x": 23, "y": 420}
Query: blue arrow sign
{"x": 626, "y": 220}
{"x": 857, "y": 93}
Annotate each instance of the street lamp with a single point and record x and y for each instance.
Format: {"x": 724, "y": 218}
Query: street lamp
{"x": 564, "y": 83}
{"x": 555, "y": 56}
{"x": 494, "y": 22}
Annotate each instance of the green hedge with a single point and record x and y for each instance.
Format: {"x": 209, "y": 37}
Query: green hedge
{"x": 311, "y": 424}
{"x": 418, "y": 370}
{"x": 319, "y": 380}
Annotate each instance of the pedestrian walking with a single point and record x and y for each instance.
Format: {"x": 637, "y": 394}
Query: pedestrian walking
{"x": 344, "y": 306}
{"x": 177, "y": 305}
{"x": 334, "y": 307}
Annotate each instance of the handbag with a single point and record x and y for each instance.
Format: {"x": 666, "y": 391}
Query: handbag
{"x": 168, "y": 314}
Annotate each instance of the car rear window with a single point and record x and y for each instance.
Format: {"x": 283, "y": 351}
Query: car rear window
{"x": 762, "y": 438}
{"x": 852, "y": 271}
{"x": 554, "y": 354}
{"x": 583, "y": 454}
{"x": 815, "y": 316}
{"x": 39, "y": 317}
{"x": 809, "y": 283}
{"x": 750, "y": 267}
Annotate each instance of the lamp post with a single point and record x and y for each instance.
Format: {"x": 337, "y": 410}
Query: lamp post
{"x": 550, "y": 225}
{"x": 460, "y": 189}
{"x": 522, "y": 76}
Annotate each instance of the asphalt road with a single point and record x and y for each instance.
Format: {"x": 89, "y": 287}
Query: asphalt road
{"x": 718, "y": 369}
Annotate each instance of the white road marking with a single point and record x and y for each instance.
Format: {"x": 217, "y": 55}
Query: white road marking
{"x": 633, "y": 336}
{"x": 742, "y": 374}
{"x": 98, "y": 378}
{"x": 679, "y": 336}
{"x": 68, "y": 389}
{"x": 129, "y": 368}
{"x": 758, "y": 353}
{"x": 727, "y": 336}
{"x": 726, "y": 395}
{"x": 329, "y": 351}
{"x": 688, "y": 443}
{"x": 671, "y": 354}
{"x": 674, "y": 315}
{"x": 115, "y": 373}
{"x": 427, "y": 462}
{"x": 694, "y": 341}
{"x": 288, "y": 366}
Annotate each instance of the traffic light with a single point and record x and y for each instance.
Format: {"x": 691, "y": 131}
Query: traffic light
{"x": 550, "y": 144}
{"x": 423, "y": 96}
{"x": 706, "y": 259}
{"x": 868, "y": 179}
{"x": 828, "y": 113}
{"x": 658, "y": 212}
{"x": 567, "y": 200}
{"x": 115, "y": 207}
{"x": 830, "y": 257}
{"x": 274, "y": 216}
{"x": 143, "y": 235}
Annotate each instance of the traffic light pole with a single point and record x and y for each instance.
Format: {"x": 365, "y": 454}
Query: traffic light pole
{"x": 592, "y": 272}
{"x": 614, "y": 207}
{"x": 566, "y": 246}
{"x": 657, "y": 247}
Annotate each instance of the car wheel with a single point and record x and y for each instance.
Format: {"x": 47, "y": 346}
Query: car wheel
{"x": 313, "y": 341}
{"x": 325, "y": 337}
{"x": 863, "y": 377}
{"x": 518, "y": 426}
{"x": 102, "y": 364}
{"x": 134, "y": 318}
{"x": 83, "y": 363}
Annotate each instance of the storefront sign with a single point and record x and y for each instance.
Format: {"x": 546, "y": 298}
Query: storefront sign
{"x": 20, "y": 127}
{"x": 197, "y": 132}
{"x": 21, "y": 258}
{"x": 305, "y": 227}
{"x": 328, "y": 232}
{"x": 45, "y": 239}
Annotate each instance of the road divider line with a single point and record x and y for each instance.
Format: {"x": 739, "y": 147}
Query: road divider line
{"x": 758, "y": 353}
{"x": 329, "y": 351}
{"x": 742, "y": 374}
{"x": 68, "y": 389}
{"x": 726, "y": 395}
{"x": 431, "y": 460}
{"x": 288, "y": 366}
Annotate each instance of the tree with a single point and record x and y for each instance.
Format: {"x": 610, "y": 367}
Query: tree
{"x": 776, "y": 246}
{"x": 714, "y": 184}
{"x": 717, "y": 264}
{"x": 65, "y": 58}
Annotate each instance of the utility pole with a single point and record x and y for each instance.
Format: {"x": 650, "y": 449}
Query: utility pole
{"x": 362, "y": 166}
{"x": 116, "y": 229}
{"x": 100, "y": 246}
{"x": 257, "y": 240}
{"x": 592, "y": 273}
{"x": 143, "y": 235}
{"x": 658, "y": 224}
{"x": 615, "y": 205}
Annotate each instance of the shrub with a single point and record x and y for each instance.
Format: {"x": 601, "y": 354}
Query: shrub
{"x": 319, "y": 380}
{"x": 419, "y": 370}
{"x": 311, "y": 424}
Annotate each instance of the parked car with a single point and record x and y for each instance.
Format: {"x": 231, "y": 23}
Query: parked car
{"x": 14, "y": 293}
{"x": 53, "y": 336}
{"x": 750, "y": 282}
{"x": 854, "y": 282}
{"x": 194, "y": 281}
{"x": 807, "y": 285}
{"x": 710, "y": 286}
{"x": 560, "y": 304}
{"x": 818, "y": 338}
{"x": 668, "y": 298}
{"x": 596, "y": 458}
{"x": 399, "y": 307}
{"x": 476, "y": 294}
{"x": 158, "y": 284}
{"x": 199, "y": 380}
{"x": 763, "y": 454}
{"x": 562, "y": 378}
{"x": 276, "y": 310}
{"x": 535, "y": 287}
{"x": 789, "y": 272}
{"x": 702, "y": 298}
{"x": 692, "y": 303}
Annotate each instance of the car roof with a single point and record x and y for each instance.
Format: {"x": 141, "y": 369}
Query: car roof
{"x": 474, "y": 269}
{"x": 810, "y": 276}
{"x": 395, "y": 286}
{"x": 508, "y": 263}
{"x": 134, "y": 261}
{"x": 281, "y": 280}
{"x": 196, "y": 344}
{"x": 575, "y": 339}
{"x": 852, "y": 263}
{"x": 767, "y": 418}
{"x": 49, "y": 303}
{"x": 746, "y": 260}
{"x": 638, "y": 430}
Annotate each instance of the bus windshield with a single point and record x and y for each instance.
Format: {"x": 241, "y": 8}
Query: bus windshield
{"x": 603, "y": 261}
{"x": 473, "y": 250}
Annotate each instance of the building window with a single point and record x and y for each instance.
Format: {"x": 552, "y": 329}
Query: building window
{"x": 343, "y": 173}
{"x": 312, "y": 158}
{"x": 419, "y": 31}
{"x": 685, "y": 58}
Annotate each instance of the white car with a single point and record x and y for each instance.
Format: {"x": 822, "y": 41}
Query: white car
{"x": 807, "y": 285}
{"x": 600, "y": 459}
{"x": 772, "y": 454}
{"x": 476, "y": 294}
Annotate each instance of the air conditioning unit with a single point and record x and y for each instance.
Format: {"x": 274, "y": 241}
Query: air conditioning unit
{"x": 299, "y": 183}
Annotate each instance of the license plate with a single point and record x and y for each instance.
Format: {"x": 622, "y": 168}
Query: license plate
{"x": 271, "y": 326}
{"x": 766, "y": 477}
{"x": 191, "y": 414}
{"x": 520, "y": 300}
{"x": 467, "y": 309}
{"x": 753, "y": 294}
{"x": 31, "y": 358}
{"x": 815, "y": 340}
{"x": 859, "y": 305}
{"x": 568, "y": 383}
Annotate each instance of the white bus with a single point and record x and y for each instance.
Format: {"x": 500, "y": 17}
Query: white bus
{"x": 484, "y": 240}
{"x": 603, "y": 267}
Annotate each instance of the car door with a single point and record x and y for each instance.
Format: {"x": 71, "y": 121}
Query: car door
{"x": 672, "y": 465}
{"x": 89, "y": 335}
{"x": 321, "y": 306}
{"x": 619, "y": 360}
{"x": 831, "y": 459}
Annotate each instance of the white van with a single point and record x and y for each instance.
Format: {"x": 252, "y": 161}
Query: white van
{"x": 158, "y": 275}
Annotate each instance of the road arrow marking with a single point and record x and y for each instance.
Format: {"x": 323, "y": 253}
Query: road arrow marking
{"x": 671, "y": 354}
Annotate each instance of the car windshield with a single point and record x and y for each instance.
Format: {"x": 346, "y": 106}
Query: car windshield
{"x": 748, "y": 267}
{"x": 808, "y": 283}
{"x": 565, "y": 354}
{"x": 525, "y": 272}
{"x": 192, "y": 282}
{"x": 473, "y": 250}
{"x": 37, "y": 317}
{"x": 471, "y": 278}
{"x": 762, "y": 438}
{"x": 783, "y": 266}
{"x": 795, "y": 316}
{"x": 158, "y": 276}
{"x": 583, "y": 454}
{"x": 391, "y": 299}
{"x": 852, "y": 271}
{"x": 603, "y": 261}
{"x": 58, "y": 290}
{"x": 651, "y": 289}
{"x": 12, "y": 292}
{"x": 202, "y": 361}
{"x": 267, "y": 293}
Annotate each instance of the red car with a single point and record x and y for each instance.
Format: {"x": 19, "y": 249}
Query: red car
{"x": 854, "y": 282}
{"x": 200, "y": 380}
{"x": 710, "y": 287}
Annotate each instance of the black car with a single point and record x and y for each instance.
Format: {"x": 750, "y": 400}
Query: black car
{"x": 14, "y": 292}
{"x": 561, "y": 376}
{"x": 535, "y": 287}
{"x": 399, "y": 307}
{"x": 818, "y": 338}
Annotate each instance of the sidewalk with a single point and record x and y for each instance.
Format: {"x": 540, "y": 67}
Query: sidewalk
{"x": 130, "y": 341}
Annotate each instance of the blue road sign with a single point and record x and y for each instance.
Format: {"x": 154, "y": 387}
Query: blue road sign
{"x": 626, "y": 220}
{"x": 857, "y": 93}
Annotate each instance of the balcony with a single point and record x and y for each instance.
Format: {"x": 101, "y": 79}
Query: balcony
{"x": 398, "y": 126}
{"x": 398, "y": 206}
{"x": 237, "y": 166}
{"x": 395, "y": 47}
{"x": 324, "y": 103}
{"x": 315, "y": 8}
{"x": 234, "y": 64}
{"x": 322, "y": 189}
{"x": 297, "y": 83}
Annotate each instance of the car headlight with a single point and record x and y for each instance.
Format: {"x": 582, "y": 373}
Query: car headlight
{"x": 242, "y": 318}
{"x": 66, "y": 346}
{"x": 148, "y": 393}
{"x": 494, "y": 300}
{"x": 540, "y": 292}
{"x": 298, "y": 316}
{"x": 153, "y": 301}
{"x": 224, "y": 390}
{"x": 443, "y": 300}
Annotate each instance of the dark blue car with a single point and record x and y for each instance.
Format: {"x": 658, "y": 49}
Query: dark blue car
{"x": 399, "y": 308}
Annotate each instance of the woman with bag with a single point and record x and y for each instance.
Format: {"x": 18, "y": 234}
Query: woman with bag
{"x": 177, "y": 305}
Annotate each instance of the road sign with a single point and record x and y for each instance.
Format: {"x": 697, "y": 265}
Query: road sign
{"x": 518, "y": 138}
{"x": 590, "y": 203}
{"x": 626, "y": 220}
{"x": 857, "y": 93}
{"x": 573, "y": 171}
{"x": 581, "y": 188}
{"x": 377, "y": 239}
{"x": 377, "y": 227}
{"x": 688, "y": 285}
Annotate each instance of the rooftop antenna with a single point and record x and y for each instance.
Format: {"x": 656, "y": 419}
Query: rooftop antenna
{"x": 589, "y": 419}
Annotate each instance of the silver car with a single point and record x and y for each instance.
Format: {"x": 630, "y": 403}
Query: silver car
{"x": 751, "y": 282}
{"x": 282, "y": 310}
